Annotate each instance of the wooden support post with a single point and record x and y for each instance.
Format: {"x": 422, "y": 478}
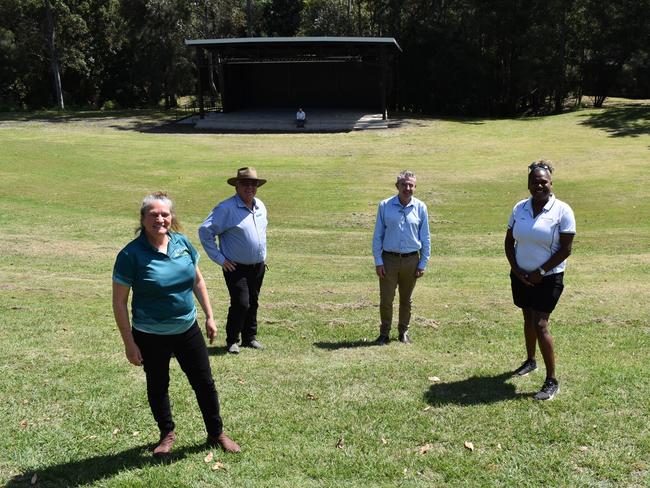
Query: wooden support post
{"x": 383, "y": 83}
{"x": 200, "y": 65}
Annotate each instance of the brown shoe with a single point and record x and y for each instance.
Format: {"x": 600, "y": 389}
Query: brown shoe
{"x": 165, "y": 445}
{"x": 226, "y": 443}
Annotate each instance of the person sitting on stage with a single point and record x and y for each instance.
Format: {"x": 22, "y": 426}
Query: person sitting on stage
{"x": 301, "y": 118}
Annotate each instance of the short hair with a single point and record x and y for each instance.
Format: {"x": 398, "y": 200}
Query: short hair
{"x": 162, "y": 197}
{"x": 540, "y": 164}
{"x": 404, "y": 175}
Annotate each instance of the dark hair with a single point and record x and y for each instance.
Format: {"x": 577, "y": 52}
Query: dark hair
{"x": 162, "y": 197}
{"x": 540, "y": 164}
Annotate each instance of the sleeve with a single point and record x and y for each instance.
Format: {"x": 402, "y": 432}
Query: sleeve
{"x": 511, "y": 220}
{"x": 378, "y": 236}
{"x": 567, "y": 221}
{"x": 208, "y": 232}
{"x": 124, "y": 269}
{"x": 425, "y": 237}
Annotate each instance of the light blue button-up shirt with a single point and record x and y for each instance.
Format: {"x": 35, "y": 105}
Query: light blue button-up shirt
{"x": 402, "y": 229}
{"x": 241, "y": 232}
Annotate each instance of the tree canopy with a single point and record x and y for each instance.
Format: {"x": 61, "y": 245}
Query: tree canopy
{"x": 501, "y": 57}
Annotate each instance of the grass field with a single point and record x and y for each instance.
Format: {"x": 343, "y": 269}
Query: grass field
{"x": 320, "y": 406}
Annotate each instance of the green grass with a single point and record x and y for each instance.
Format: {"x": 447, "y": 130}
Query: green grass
{"x": 75, "y": 413}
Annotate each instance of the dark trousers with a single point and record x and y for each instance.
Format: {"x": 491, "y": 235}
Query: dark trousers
{"x": 244, "y": 286}
{"x": 192, "y": 355}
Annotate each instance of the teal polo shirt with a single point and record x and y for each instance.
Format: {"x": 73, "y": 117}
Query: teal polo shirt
{"x": 162, "y": 284}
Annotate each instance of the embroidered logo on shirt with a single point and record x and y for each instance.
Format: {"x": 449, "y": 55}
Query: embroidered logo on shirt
{"x": 180, "y": 252}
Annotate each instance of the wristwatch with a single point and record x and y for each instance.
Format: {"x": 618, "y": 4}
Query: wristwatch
{"x": 541, "y": 271}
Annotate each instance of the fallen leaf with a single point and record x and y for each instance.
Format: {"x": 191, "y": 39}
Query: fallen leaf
{"x": 23, "y": 423}
{"x": 92, "y": 437}
{"x": 218, "y": 465}
{"x": 209, "y": 457}
{"x": 406, "y": 470}
{"x": 384, "y": 441}
{"x": 583, "y": 448}
{"x": 115, "y": 431}
{"x": 25, "y": 401}
{"x": 469, "y": 445}
{"x": 340, "y": 444}
{"x": 136, "y": 433}
{"x": 499, "y": 446}
{"x": 240, "y": 381}
{"x": 34, "y": 479}
{"x": 311, "y": 396}
{"x": 425, "y": 448}
{"x": 434, "y": 379}
{"x": 428, "y": 407}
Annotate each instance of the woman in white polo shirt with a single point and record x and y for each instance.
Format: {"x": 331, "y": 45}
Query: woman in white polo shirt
{"x": 537, "y": 244}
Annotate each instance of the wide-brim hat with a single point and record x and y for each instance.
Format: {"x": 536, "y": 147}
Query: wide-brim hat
{"x": 247, "y": 173}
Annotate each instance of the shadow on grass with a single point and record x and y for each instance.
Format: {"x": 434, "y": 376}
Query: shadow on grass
{"x": 473, "y": 391}
{"x": 88, "y": 471}
{"x": 625, "y": 121}
{"x": 217, "y": 350}
{"x": 333, "y": 346}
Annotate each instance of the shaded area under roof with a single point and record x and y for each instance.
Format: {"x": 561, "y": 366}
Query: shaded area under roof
{"x": 316, "y": 72}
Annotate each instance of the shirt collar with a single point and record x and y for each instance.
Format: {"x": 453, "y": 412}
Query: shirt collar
{"x": 547, "y": 205}
{"x": 171, "y": 245}
{"x": 240, "y": 202}
{"x": 397, "y": 202}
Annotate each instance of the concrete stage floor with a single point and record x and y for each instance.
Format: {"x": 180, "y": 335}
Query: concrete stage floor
{"x": 283, "y": 120}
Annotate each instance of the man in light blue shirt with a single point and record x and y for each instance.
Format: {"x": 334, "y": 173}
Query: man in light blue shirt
{"x": 401, "y": 246}
{"x": 239, "y": 223}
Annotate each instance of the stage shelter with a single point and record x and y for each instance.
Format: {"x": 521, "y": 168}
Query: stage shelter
{"x": 310, "y": 72}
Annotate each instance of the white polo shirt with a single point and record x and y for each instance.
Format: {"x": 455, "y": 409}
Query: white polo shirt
{"x": 538, "y": 238}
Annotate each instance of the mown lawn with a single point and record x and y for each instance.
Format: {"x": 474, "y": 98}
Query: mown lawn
{"x": 321, "y": 406}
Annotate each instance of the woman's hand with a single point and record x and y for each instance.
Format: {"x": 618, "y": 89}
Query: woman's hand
{"x": 133, "y": 354}
{"x": 522, "y": 276}
{"x": 210, "y": 329}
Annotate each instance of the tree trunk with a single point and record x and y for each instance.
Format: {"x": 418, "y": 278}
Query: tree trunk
{"x": 249, "y": 18}
{"x": 54, "y": 59}
{"x": 560, "y": 83}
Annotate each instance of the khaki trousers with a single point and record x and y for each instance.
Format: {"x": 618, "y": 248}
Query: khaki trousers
{"x": 400, "y": 272}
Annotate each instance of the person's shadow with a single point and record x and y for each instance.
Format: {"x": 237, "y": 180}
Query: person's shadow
{"x": 333, "y": 346}
{"x": 88, "y": 471}
{"x": 473, "y": 391}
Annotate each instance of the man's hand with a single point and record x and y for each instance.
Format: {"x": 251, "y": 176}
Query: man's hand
{"x": 419, "y": 272}
{"x": 381, "y": 272}
{"x": 229, "y": 266}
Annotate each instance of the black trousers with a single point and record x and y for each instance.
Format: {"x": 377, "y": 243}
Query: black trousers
{"x": 244, "y": 286}
{"x": 192, "y": 355}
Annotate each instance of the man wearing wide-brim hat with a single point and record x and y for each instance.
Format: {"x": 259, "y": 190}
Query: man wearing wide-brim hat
{"x": 239, "y": 223}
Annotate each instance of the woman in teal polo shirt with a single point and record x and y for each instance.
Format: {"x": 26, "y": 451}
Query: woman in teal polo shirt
{"x": 160, "y": 266}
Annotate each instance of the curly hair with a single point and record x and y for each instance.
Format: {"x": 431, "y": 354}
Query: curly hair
{"x": 540, "y": 164}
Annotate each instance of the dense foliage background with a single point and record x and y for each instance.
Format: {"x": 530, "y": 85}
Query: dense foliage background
{"x": 499, "y": 57}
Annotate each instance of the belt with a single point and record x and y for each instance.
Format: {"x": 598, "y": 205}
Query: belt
{"x": 405, "y": 255}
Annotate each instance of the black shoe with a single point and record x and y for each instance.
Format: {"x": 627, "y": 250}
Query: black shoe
{"x": 405, "y": 338}
{"x": 528, "y": 366}
{"x": 382, "y": 340}
{"x": 548, "y": 391}
{"x": 254, "y": 344}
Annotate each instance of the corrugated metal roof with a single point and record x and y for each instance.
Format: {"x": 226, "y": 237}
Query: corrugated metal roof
{"x": 268, "y": 41}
